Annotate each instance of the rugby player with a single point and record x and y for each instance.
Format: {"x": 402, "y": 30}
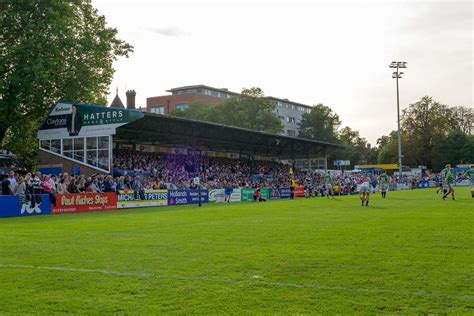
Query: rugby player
{"x": 470, "y": 174}
{"x": 449, "y": 182}
{"x": 364, "y": 191}
{"x": 384, "y": 184}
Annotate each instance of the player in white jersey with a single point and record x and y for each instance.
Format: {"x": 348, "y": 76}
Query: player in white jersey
{"x": 364, "y": 192}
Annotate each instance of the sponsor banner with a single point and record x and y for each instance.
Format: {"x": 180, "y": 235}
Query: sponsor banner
{"x": 342, "y": 162}
{"x": 275, "y": 193}
{"x": 147, "y": 148}
{"x": 285, "y": 193}
{"x": 247, "y": 193}
{"x": 84, "y": 202}
{"x": 177, "y": 197}
{"x": 218, "y": 195}
{"x": 424, "y": 184}
{"x": 73, "y": 119}
{"x": 142, "y": 199}
{"x": 280, "y": 193}
{"x": 14, "y": 205}
{"x": 299, "y": 191}
{"x": 125, "y": 146}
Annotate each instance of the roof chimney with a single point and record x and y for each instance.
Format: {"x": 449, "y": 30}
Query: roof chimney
{"x": 131, "y": 99}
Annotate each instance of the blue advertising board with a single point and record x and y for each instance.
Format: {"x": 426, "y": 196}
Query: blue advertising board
{"x": 424, "y": 184}
{"x": 284, "y": 192}
{"x": 14, "y": 205}
{"x": 280, "y": 193}
{"x": 179, "y": 197}
{"x": 274, "y": 193}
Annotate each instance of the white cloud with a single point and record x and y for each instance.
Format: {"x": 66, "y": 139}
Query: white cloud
{"x": 171, "y": 31}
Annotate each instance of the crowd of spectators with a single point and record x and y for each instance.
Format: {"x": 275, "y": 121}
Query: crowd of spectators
{"x": 138, "y": 171}
{"x": 179, "y": 170}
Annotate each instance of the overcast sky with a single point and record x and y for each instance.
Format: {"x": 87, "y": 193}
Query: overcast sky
{"x": 331, "y": 52}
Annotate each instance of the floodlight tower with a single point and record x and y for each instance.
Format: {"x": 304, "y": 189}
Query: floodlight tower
{"x": 397, "y": 75}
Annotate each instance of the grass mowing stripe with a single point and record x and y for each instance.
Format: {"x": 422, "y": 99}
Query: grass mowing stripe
{"x": 251, "y": 281}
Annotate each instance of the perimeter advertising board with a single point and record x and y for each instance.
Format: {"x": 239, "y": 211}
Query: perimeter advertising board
{"x": 178, "y": 197}
{"x": 14, "y": 205}
{"x": 142, "y": 199}
{"x": 72, "y": 119}
{"x": 247, "y": 193}
{"x": 280, "y": 193}
{"x": 84, "y": 202}
{"x": 218, "y": 195}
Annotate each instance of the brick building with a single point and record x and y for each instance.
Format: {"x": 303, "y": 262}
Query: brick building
{"x": 289, "y": 112}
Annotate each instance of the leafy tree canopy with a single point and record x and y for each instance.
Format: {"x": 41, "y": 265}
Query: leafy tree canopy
{"x": 321, "y": 123}
{"x": 248, "y": 110}
{"x": 50, "y": 50}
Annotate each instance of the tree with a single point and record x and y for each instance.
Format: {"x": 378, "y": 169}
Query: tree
{"x": 197, "y": 111}
{"x": 456, "y": 148}
{"x": 461, "y": 118}
{"x": 321, "y": 123}
{"x": 425, "y": 122}
{"x": 357, "y": 150}
{"x": 51, "y": 50}
{"x": 249, "y": 110}
{"x": 387, "y": 146}
{"x": 388, "y": 149}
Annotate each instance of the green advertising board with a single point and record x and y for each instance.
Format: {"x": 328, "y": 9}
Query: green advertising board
{"x": 247, "y": 194}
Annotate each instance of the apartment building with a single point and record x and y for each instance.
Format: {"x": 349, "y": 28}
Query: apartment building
{"x": 289, "y": 112}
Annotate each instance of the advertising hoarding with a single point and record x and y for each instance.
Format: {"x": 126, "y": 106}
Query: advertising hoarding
{"x": 84, "y": 202}
{"x": 14, "y": 205}
{"x": 247, "y": 193}
{"x": 74, "y": 119}
{"x": 218, "y": 195}
{"x": 145, "y": 198}
{"x": 178, "y": 197}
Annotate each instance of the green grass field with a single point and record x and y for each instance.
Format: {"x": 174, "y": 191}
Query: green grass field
{"x": 410, "y": 253}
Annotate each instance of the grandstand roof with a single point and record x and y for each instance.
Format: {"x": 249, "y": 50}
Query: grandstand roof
{"x": 173, "y": 131}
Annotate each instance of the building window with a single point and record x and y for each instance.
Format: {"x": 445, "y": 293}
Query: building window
{"x": 292, "y": 106}
{"x": 158, "y": 109}
{"x": 290, "y": 132}
{"x": 290, "y": 119}
{"x": 181, "y": 106}
{"x": 93, "y": 151}
{"x": 45, "y": 144}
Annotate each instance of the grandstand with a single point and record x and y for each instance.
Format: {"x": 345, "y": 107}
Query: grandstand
{"x": 101, "y": 130}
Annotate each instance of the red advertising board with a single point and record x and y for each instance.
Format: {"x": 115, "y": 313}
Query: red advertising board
{"x": 84, "y": 202}
{"x": 299, "y": 191}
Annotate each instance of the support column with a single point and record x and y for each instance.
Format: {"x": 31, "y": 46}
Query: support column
{"x": 196, "y": 165}
{"x": 325, "y": 160}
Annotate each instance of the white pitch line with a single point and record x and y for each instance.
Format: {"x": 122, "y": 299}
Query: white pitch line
{"x": 251, "y": 281}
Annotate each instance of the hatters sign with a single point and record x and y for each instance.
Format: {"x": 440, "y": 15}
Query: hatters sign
{"x": 71, "y": 119}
